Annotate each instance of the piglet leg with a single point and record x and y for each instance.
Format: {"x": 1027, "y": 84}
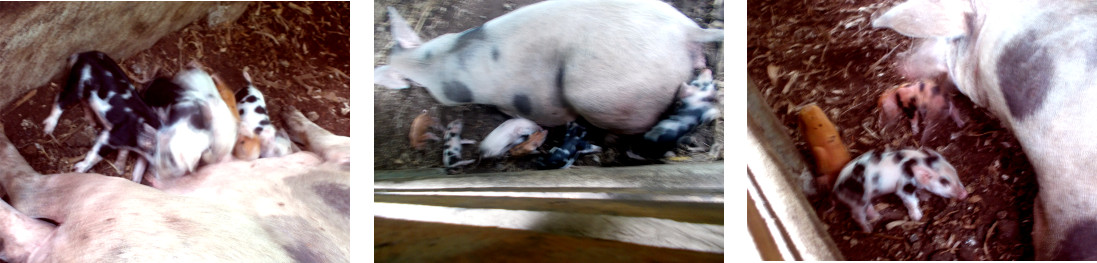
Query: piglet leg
{"x": 93, "y": 155}
{"x": 911, "y": 201}
{"x": 955, "y": 114}
{"x": 859, "y": 216}
{"x": 139, "y": 170}
{"x": 120, "y": 162}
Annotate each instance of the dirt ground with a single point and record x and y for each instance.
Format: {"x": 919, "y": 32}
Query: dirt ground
{"x": 298, "y": 53}
{"x": 828, "y": 53}
{"x": 395, "y": 109}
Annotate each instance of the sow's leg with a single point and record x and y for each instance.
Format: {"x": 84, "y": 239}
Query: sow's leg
{"x": 331, "y": 147}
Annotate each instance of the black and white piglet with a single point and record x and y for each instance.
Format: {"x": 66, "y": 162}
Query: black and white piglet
{"x": 451, "y": 156}
{"x": 186, "y": 131}
{"x": 574, "y": 145}
{"x": 126, "y": 122}
{"x": 698, "y": 106}
{"x": 257, "y": 137}
{"x": 901, "y": 172}
{"x": 198, "y": 125}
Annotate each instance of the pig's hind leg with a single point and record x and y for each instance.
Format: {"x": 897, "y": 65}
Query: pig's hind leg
{"x": 316, "y": 139}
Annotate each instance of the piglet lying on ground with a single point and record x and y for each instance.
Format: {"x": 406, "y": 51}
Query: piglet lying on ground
{"x": 901, "y": 172}
{"x": 293, "y": 208}
{"x": 451, "y": 156}
{"x": 509, "y": 134}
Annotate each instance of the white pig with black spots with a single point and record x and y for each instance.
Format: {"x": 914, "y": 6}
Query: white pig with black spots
{"x": 901, "y": 172}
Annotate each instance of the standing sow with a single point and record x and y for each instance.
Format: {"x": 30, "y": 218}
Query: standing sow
{"x": 616, "y": 63}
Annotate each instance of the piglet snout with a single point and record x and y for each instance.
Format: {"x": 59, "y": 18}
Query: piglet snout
{"x": 961, "y": 194}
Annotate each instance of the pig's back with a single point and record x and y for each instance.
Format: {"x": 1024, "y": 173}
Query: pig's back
{"x": 618, "y": 64}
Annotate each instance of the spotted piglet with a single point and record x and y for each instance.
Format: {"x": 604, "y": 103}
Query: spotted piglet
{"x": 111, "y": 102}
{"x": 901, "y": 172}
{"x": 698, "y": 106}
{"x": 451, "y": 156}
{"x": 574, "y": 145}
{"x": 509, "y": 134}
{"x": 257, "y": 135}
{"x": 923, "y": 103}
{"x": 185, "y": 135}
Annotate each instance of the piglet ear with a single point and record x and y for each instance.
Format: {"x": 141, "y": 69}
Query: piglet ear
{"x": 401, "y": 31}
{"x": 924, "y": 175}
{"x": 927, "y": 18}
{"x": 388, "y": 77}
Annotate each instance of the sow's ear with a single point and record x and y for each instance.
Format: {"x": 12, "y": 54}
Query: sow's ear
{"x": 401, "y": 32}
{"x": 388, "y": 77}
{"x": 927, "y": 18}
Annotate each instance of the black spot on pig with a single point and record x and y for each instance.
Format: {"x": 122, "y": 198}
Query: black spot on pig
{"x": 1078, "y": 244}
{"x": 931, "y": 160}
{"x": 337, "y": 196}
{"x": 264, "y": 122}
{"x": 909, "y": 188}
{"x": 1025, "y": 70}
{"x": 858, "y": 173}
{"x": 258, "y": 130}
{"x": 908, "y": 168}
{"x": 851, "y": 190}
{"x": 467, "y": 38}
{"x": 250, "y": 99}
{"x": 521, "y": 102}
{"x": 495, "y": 53}
{"x": 244, "y": 92}
{"x": 874, "y": 156}
{"x": 457, "y": 91}
{"x": 261, "y": 110}
{"x": 898, "y": 157}
{"x": 241, "y": 111}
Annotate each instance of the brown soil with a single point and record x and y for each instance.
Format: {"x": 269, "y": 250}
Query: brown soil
{"x": 828, "y": 53}
{"x": 395, "y": 109}
{"x": 297, "y": 53}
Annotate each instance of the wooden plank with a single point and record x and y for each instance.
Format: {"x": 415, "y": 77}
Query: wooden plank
{"x": 704, "y": 213}
{"x": 410, "y": 241}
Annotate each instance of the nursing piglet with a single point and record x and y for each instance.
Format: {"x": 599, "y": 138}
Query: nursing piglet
{"x": 1031, "y": 64}
{"x": 698, "y": 106}
{"x": 565, "y": 155}
{"x": 901, "y": 172}
{"x": 186, "y": 134}
{"x": 616, "y": 63}
{"x": 126, "y": 123}
{"x": 257, "y": 137}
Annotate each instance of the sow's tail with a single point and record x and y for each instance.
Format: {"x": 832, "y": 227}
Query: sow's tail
{"x": 707, "y": 35}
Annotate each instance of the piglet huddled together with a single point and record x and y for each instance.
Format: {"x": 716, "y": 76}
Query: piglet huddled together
{"x": 175, "y": 124}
